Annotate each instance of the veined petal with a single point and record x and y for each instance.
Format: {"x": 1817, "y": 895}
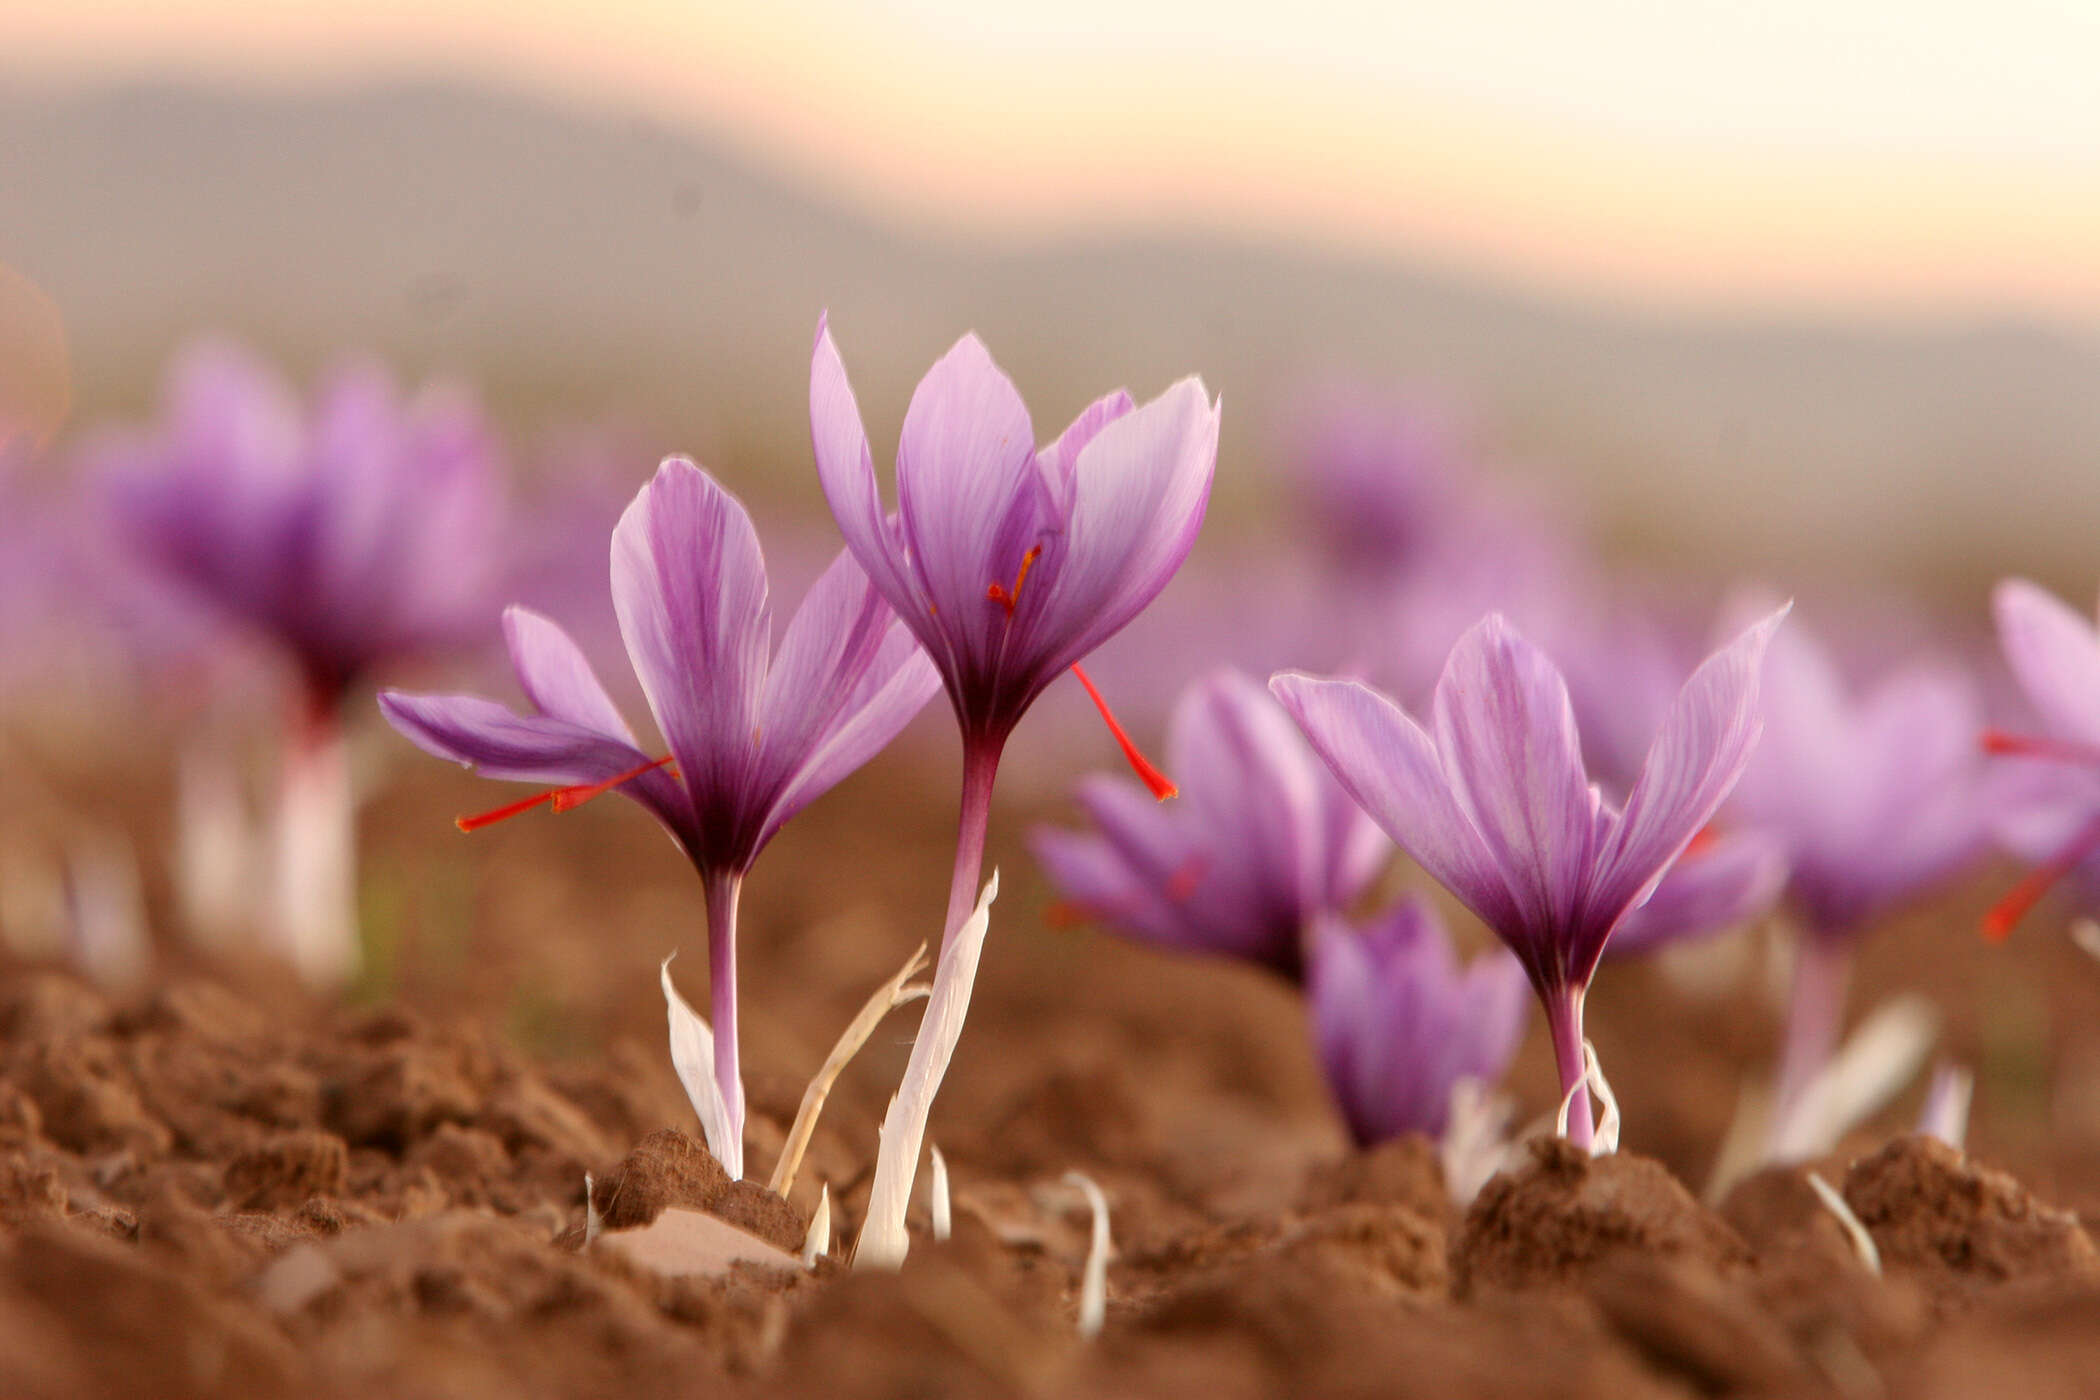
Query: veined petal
{"x": 826, "y": 647}
{"x": 689, "y": 586}
{"x": 557, "y": 678}
{"x": 1691, "y": 766}
{"x": 846, "y": 471}
{"x": 1252, "y": 790}
{"x": 890, "y": 691}
{"x": 1141, "y": 485}
{"x": 966, "y": 452}
{"x": 1390, "y": 766}
{"x": 2055, "y": 654}
{"x": 500, "y": 743}
{"x": 1505, "y": 731}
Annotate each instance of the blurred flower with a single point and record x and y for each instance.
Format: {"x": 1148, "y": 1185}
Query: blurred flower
{"x": 1496, "y": 804}
{"x": 2049, "y": 802}
{"x": 755, "y": 733}
{"x": 1262, "y": 840}
{"x": 1398, "y": 1022}
{"x": 1719, "y": 883}
{"x": 1624, "y": 660}
{"x": 1874, "y": 792}
{"x": 1378, "y": 477}
{"x": 353, "y": 534}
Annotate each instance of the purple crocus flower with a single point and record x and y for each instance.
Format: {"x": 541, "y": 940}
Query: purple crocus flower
{"x": 364, "y": 530}
{"x": 1493, "y": 801}
{"x": 2049, "y": 804}
{"x": 347, "y": 536}
{"x": 1010, "y": 562}
{"x": 1398, "y": 1022}
{"x": 1262, "y": 840}
{"x": 755, "y": 733}
{"x": 1876, "y": 795}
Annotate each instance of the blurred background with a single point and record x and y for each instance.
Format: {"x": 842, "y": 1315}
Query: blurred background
{"x": 1803, "y": 285}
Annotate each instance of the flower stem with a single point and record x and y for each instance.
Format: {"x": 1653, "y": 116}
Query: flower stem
{"x": 723, "y": 890}
{"x": 980, "y": 767}
{"x": 314, "y": 880}
{"x": 1815, "y": 1011}
{"x": 1564, "y": 1021}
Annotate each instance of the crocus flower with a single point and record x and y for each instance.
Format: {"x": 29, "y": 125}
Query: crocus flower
{"x": 1493, "y": 801}
{"x": 755, "y": 733}
{"x": 2049, "y": 808}
{"x": 1398, "y": 1022}
{"x": 353, "y": 534}
{"x": 1262, "y": 840}
{"x": 1877, "y": 797}
{"x": 1010, "y": 563}
{"x": 348, "y": 536}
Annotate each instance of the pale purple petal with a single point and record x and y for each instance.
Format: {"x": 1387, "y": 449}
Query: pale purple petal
{"x": 2055, "y": 654}
{"x": 556, "y": 677}
{"x": 1397, "y": 1023}
{"x": 846, "y": 471}
{"x": 1506, "y": 736}
{"x": 889, "y": 692}
{"x": 1691, "y": 766}
{"x": 1141, "y": 486}
{"x": 826, "y": 647}
{"x": 967, "y": 450}
{"x": 500, "y": 743}
{"x": 1390, "y": 766}
{"x": 689, "y": 585}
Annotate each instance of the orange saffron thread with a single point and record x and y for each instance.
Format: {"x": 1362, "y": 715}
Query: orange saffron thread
{"x": 562, "y": 799}
{"x": 1161, "y": 786}
{"x": 481, "y": 819}
{"x": 1999, "y": 742}
{"x": 2006, "y": 914}
{"x": 570, "y": 798}
{"x": 1011, "y": 598}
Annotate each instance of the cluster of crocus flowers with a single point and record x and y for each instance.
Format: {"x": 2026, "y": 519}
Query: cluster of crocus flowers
{"x": 2048, "y": 802}
{"x": 1875, "y": 794}
{"x": 1262, "y": 841}
{"x": 754, "y": 732}
{"x": 1492, "y": 799}
{"x": 1010, "y": 563}
{"x": 347, "y": 535}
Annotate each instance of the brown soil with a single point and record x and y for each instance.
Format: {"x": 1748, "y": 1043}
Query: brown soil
{"x": 219, "y": 1185}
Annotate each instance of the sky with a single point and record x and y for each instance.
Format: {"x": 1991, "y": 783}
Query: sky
{"x": 1898, "y": 155}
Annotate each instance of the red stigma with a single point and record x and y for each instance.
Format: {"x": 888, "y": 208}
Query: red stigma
{"x": 1161, "y": 786}
{"x": 1999, "y": 742}
{"x": 1703, "y": 840}
{"x": 562, "y": 799}
{"x": 2003, "y": 916}
{"x": 481, "y": 819}
{"x": 1007, "y": 598}
{"x": 570, "y": 798}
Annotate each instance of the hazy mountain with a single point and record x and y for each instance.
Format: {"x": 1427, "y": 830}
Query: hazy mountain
{"x": 575, "y": 262}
